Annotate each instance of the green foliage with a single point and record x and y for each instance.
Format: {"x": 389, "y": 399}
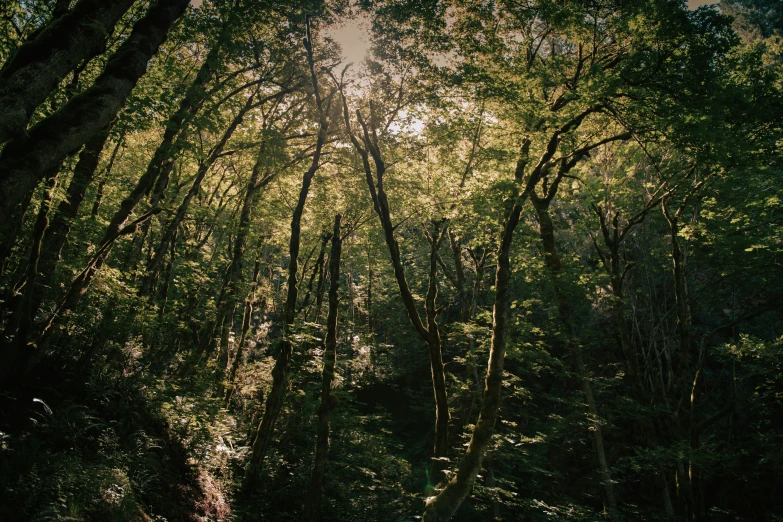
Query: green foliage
{"x": 131, "y": 414}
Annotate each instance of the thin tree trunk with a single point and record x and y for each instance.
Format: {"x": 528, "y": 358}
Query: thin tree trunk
{"x": 323, "y": 276}
{"x": 554, "y": 265}
{"x": 613, "y": 235}
{"x": 22, "y": 272}
{"x": 226, "y": 306}
{"x": 370, "y": 277}
{"x": 274, "y": 400}
{"x": 225, "y": 336}
{"x": 491, "y": 483}
{"x": 686, "y": 478}
{"x": 77, "y": 288}
{"x": 38, "y": 66}
{"x": 367, "y": 145}
{"x": 215, "y": 153}
{"x": 162, "y": 162}
{"x": 435, "y": 349}
{"x": 25, "y": 161}
{"x": 312, "y": 507}
{"x": 471, "y": 358}
{"x": 459, "y": 275}
{"x": 445, "y": 504}
{"x": 16, "y": 221}
{"x": 164, "y": 291}
{"x": 318, "y": 269}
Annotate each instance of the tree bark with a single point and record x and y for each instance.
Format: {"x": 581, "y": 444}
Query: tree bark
{"x": 687, "y": 480}
{"x": 162, "y": 162}
{"x": 312, "y": 507}
{"x": 38, "y": 66}
{"x": 25, "y": 161}
{"x": 614, "y": 235}
{"x": 246, "y": 318}
{"x": 78, "y": 287}
{"x": 234, "y": 276}
{"x": 18, "y": 328}
{"x": 318, "y": 269}
{"x": 49, "y": 239}
{"x": 435, "y": 350}
{"x": 57, "y": 232}
{"x": 367, "y": 146}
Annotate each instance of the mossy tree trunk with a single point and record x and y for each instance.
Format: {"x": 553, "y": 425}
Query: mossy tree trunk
{"x": 38, "y": 66}
{"x": 25, "y": 161}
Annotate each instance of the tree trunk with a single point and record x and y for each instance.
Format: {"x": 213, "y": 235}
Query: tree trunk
{"x": 38, "y": 66}
{"x": 18, "y": 328}
{"x": 370, "y": 277}
{"x": 78, "y": 287}
{"x": 16, "y": 222}
{"x": 57, "y": 232}
{"x": 274, "y": 400}
{"x": 312, "y": 507}
{"x": 162, "y": 162}
{"x": 687, "y": 479}
{"x": 613, "y": 237}
{"x": 445, "y": 504}
{"x": 323, "y": 276}
{"x": 25, "y": 161}
{"x": 471, "y": 357}
{"x": 318, "y": 269}
{"x": 50, "y": 238}
{"x": 435, "y": 349}
{"x": 226, "y": 306}
{"x": 163, "y": 295}
{"x": 459, "y": 274}
{"x": 366, "y": 146}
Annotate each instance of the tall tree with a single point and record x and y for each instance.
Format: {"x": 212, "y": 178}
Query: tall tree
{"x": 274, "y": 400}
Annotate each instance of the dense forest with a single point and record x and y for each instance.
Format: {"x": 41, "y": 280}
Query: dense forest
{"x": 517, "y": 261}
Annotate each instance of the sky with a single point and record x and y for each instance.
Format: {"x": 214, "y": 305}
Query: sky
{"x": 354, "y": 39}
